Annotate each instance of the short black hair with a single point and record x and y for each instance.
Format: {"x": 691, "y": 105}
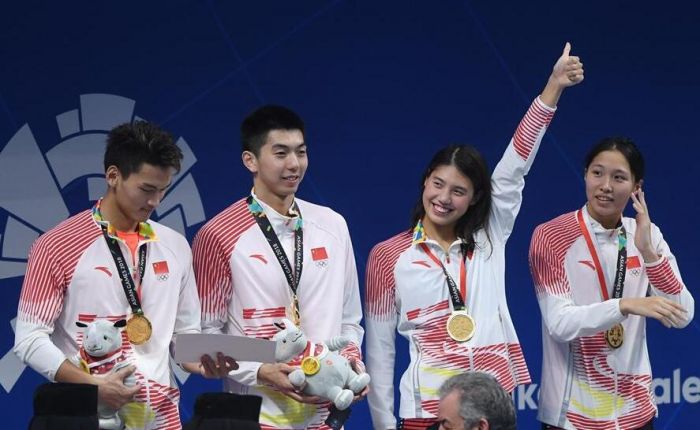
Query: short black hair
{"x": 130, "y": 145}
{"x": 256, "y": 126}
{"x": 624, "y": 146}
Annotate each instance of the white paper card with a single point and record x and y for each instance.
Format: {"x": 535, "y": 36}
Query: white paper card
{"x": 189, "y": 347}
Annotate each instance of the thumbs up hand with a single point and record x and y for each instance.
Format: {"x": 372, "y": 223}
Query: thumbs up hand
{"x": 568, "y": 70}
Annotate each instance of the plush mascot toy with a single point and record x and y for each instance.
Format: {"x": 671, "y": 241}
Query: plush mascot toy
{"x": 326, "y": 373}
{"x": 100, "y": 354}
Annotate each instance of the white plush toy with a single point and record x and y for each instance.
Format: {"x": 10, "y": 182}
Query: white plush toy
{"x": 326, "y": 373}
{"x": 100, "y": 354}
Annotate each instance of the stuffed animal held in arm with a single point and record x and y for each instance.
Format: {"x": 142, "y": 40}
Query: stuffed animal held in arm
{"x": 326, "y": 373}
{"x": 100, "y": 354}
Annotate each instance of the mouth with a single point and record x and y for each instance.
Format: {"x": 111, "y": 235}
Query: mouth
{"x": 604, "y": 199}
{"x": 92, "y": 351}
{"x": 441, "y": 210}
{"x": 297, "y": 337}
{"x": 291, "y": 179}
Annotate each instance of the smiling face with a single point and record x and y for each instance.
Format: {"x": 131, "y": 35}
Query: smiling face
{"x": 447, "y": 195}
{"x": 279, "y": 167}
{"x": 609, "y": 184}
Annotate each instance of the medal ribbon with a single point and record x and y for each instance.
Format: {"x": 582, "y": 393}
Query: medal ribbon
{"x": 292, "y": 275}
{"x": 123, "y": 268}
{"x": 621, "y": 268}
{"x": 458, "y": 301}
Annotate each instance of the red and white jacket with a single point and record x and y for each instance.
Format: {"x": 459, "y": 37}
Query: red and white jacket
{"x": 585, "y": 383}
{"x": 406, "y": 290}
{"x": 71, "y": 276}
{"x": 243, "y": 291}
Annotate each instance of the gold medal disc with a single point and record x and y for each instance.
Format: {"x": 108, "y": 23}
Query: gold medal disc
{"x": 615, "y": 336}
{"x": 460, "y": 326}
{"x": 138, "y": 329}
{"x": 310, "y": 365}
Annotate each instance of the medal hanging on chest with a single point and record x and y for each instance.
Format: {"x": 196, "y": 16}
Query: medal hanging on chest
{"x": 292, "y": 275}
{"x": 460, "y": 325}
{"x": 614, "y": 336}
{"x": 138, "y": 327}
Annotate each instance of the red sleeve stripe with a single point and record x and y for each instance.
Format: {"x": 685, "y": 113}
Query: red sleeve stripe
{"x": 380, "y": 285}
{"x": 526, "y": 135}
{"x": 351, "y": 352}
{"x": 211, "y": 250}
{"x": 661, "y": 276}
{"x": 51, "y": 265}
{"x": 548, "y": 248}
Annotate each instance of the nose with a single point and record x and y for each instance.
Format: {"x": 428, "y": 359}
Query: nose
{"x": 444, "y": 196}
{"x": 155, "y": 199}
{"x": 293, "y": 162}
{"x": 606, "y": 184}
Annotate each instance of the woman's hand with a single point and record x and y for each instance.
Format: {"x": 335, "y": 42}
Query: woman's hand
{"x": 642, "y": 237}
{"x": 567, "y": 72}
{"x": 668, "y": 312}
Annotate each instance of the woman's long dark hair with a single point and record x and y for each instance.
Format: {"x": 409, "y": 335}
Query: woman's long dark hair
{"x": 471, "y": 164}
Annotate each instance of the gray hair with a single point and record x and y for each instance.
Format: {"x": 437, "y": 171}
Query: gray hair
{"x": 480, "y": 396}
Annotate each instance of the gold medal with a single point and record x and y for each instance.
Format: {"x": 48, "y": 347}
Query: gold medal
{"x": 460, "y": 326}
{"x": 138, "y": 329}
{"x": 615, "y": 335}
{"x": 310, "y": 365}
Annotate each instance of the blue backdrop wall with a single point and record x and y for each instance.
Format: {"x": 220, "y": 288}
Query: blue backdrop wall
{"x": 381, "y": 85}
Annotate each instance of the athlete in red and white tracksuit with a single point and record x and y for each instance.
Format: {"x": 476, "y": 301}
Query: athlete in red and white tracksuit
{"x": 407, "y": 291}
{"x": 244, "y": 291}
{"x": 586, "y": 383}
{"x": 71, "y": 276}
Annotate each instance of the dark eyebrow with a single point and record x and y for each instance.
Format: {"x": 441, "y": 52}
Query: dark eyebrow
{"x": 600, "y": 166}
{"x": 147, "y": 185}
{"x": 278, "y": 146}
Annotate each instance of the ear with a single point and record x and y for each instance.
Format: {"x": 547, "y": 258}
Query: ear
{"x": 250, "y": 161}
{"x": 287, "y": 323}
{"x": 112, "y": 175}
{"x": 638, "y": 185}
{"x": 80, "y": 324}
{"x": 483, "y": 424}
{"x": 280, "y": 326}
{"x": 120, "y": 323}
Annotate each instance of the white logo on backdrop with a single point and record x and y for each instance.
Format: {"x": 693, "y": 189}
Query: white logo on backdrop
{"x": 31, "y": 185}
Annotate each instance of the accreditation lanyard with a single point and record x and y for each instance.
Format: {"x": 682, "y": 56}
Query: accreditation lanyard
{"x": 621, "y": 268}
{"x": 458, "y": 300}
{"x": 293, "y": 275}
{"x": 123, "y": 269}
